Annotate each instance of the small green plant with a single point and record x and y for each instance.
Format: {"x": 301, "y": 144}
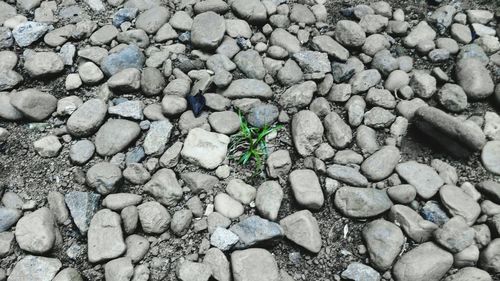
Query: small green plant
{"x": 250, "y": 142}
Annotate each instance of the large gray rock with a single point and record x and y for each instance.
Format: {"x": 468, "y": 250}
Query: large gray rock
{"x": 381, "y": 164}
{"x": 207, "y": 30}
{"x": 34, "y": 104}
{"x": 302, "y": 228}
{"x": 164, "y": 187}
{"x": 426, "y": 262}
{"x": 338, "y": 133}
{"x": 459, "y": 203}
{"x": 349, "y": 33}
{"x": 412, "y": 223}
{"x": 252, "y": 11}
{"x": 306, "y": 188}
{"x": 307, "y": 132}
{"x": 105, "y": 237}
{"x": 35, "y": 232}
{"x": 455, "y": 235}
{"x": 357, "y": 202}
{"x": 490, "y": 156}
{"x": 490, "y": 257}
{"x": 268, "y": 199}
{"x": 254, "y": 265}
{"x": 469, "y": 273}
{"x": 8, "y": 217}
{"x": 458, "y": 137}
{"x": 43, "y": 64}
{"x": 104, "y": 177}
{"x": 35, "y": 268}
{"x": 218, "y": 263}
{"x": 298, "y": 96}
{"x": 360, "y": 272}
{"x": 154, "y": 218}
{"x": 424, "y": 178}
{"x": 326, "y": 44}
{"x": 420, "y": 33}
{"x": 152, "y": 19}
{"x": 474, "y": 78}
{"x": 87, "y": 118}
{"x": 205, "y": 149}
{"x": 346, "y": 174}
{"x": 27, "y": 33}
{"x": 384, "y": 241}
{"x": 248, "y": 88}
{"x": 129, "y": 57}
{"x": 250, "y": 63}
{"x": 119, "y": 269}
{"x": 115, "y": 135}
{"x": 193, "y": 271}
{"x": 281, "y": 37}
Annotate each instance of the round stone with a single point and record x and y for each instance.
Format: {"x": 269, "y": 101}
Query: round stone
{"x": 491, "y": 157}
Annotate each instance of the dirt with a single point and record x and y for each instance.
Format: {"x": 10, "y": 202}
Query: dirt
{"x": 32, "y": 177}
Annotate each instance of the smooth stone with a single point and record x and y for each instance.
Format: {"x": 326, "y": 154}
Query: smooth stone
{"x": 254, "y": 231}
{"x": 362, "y": 202}
{"x": 381, "y": 164}
{"x": 87, "y": 118}
{"x": 105, "y": 237}
{"x": 307, "y": 132}
{"x": 115, "y": 135}
{"x": 164, "y": 187}
{"x": 302, "y": 228}
{"x": 306, "y": 188}
{"x": 425, "y": 262}
{"x": 35, "y": 268}
{"x": 254, "y": 264}
{"x": 34, "y": 104}
{"x": 384, "y": 241}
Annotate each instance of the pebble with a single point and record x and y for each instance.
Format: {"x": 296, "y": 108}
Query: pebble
{"x": 255, "y": 230}
{"x": 34, "y": 104}
{"x": 87, "y": 118}
{"x": 467, "y": 136}
{"x": 254, "y": 263}
{"x": 205, "y": 149}
{"x": 381, "y": 164}
{"x": 228, "y": 206}
{"x": 35, "y": 268}
{"x": 414, "y": 226}
{"x": 164, "y": 187}
{"x": 490, "y": 157}
{"x": 207, "y": 30}
{"x": 384, "y": 241}
{"x": 35, "y": 232}
{"x": 302, "y": 228}
{"x": 307, "y": 132}
{"x": 48, "y": 146}
{"x": 115, "y": 135}
{"x": 104, "y": 177}
{"x": 105, "y": 237}
{"x": 154, "y": 218}
{"x": 306, "y": 189}
{"x": 459, "y": 203}
{"x": 358, "y": 271}
{"x": 361, "y": 202}
{"x": 350, "y": 34}
{"x": 425, "y": 262}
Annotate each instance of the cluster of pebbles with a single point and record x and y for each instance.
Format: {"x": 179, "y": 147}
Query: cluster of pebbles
{"x": 110, "y": 88}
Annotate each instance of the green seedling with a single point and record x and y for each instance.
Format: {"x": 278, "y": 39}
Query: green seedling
{"x": 250, "y": 142}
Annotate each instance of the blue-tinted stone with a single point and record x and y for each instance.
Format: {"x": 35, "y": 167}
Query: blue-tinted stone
{"x": 255, "y": 230}
{"x": 473, "y": 51}
{"x": 129, "y": 57}
{"x": 82, "y": 206}
{"x": 196, "y": 103}
{"x": 123, "y": 15}
{"x": 432, "y": 212}
{"x": 136, "y": 155}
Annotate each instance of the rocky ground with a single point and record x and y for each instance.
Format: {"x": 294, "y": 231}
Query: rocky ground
{"x": 116, "y": 118}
